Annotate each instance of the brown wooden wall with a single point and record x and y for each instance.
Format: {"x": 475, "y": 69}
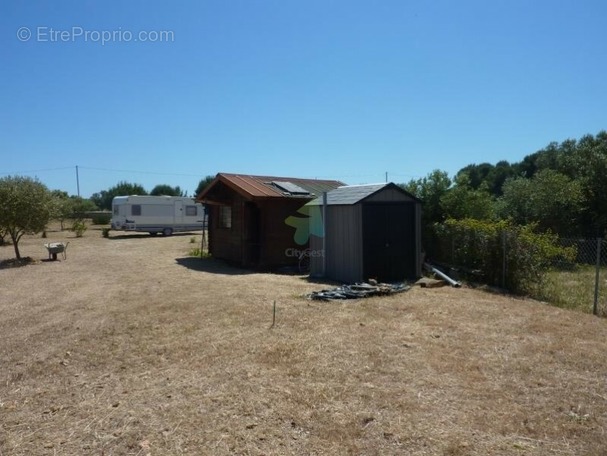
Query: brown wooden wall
{"x": 277, "y": 236}
{"x": 264, "y": 245}
{"x": 225, "y": 243}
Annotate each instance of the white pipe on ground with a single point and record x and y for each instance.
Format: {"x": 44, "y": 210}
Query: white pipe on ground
{"x": 442, "y": 275}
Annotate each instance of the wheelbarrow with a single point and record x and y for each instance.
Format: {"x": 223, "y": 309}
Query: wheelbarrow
{"x": 55, "y": 248}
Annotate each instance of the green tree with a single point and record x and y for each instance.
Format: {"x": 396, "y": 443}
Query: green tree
{"x": 103, "y": 199}
{"x": 430, "y": 190}
{"x": 477, "y": 174}
{"x": 69, "y": 207}
{"x": 583, "y": 161}
{"x": 164, "y": 189}
{"x": 586, "y": 162}
{"x": 81, "y": 205}
{"x": 550, "y": 199}
{"x": 25, "y": 207}
{"x": 203, "y": 184}
{"x": 62, "y": 207}
{"x": 464, "y": 202}
{"x": 487, "y": 176}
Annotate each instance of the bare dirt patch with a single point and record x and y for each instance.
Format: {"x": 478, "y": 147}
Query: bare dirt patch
{"x": 130, "y": 347}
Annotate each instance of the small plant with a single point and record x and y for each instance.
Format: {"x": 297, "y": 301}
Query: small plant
{"x": 192, "y": 240}
{"x": 198, "y": 252}
{"x": 44, "y": 234}
{"x": 79, "y": 227}
{"x": 105, "y": 232}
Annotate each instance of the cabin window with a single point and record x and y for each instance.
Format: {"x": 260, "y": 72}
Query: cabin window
{"x": 191, "y": 211}
{"x": 225, "y": 216}
{"x": 136, "y": 209}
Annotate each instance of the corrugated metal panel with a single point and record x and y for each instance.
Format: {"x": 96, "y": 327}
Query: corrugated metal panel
{"x": 350, "y": 194}
{"x": 390, "y": 195}
{"x": 353, "y": 194}
{"x": 344, "y": 244}
{"x": 262, "y": 187}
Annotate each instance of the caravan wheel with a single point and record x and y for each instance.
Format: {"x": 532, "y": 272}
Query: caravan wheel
{"x": 167, "y": 231}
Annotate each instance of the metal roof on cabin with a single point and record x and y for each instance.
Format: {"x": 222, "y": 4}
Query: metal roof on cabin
{"x": 262, "y": 187}
{"x": 349, "y": 194}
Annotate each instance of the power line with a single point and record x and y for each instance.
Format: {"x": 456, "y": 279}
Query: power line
{"x": 158, "y": 173}
{"x": 138, "y": 172}
{"x": 37, "y": 171}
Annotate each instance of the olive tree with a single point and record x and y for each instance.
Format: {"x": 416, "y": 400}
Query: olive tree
{"x": 164, "y": 189}
{"x": 25, "y": 207}
{"x": 204, "y": 183}
{"x": 103, "y": 199}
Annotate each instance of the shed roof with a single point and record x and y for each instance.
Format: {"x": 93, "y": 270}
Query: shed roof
{"x": 272, "y": 186}
{"x": 352, "y": 194}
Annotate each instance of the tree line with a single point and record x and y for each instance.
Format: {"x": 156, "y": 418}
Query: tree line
{"x": 103, "y": 199}
{"x": 561, "y": 188}
{"x": 27, "y": 205}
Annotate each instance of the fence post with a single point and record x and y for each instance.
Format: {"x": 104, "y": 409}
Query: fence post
{"x": 595, "y": 307}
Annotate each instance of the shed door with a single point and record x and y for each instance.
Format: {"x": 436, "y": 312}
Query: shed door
{"x": 389, "y": 241}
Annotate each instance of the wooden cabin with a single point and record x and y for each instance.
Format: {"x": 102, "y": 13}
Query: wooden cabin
{"x": 260, "y": 221}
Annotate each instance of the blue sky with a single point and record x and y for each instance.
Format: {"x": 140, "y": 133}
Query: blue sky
{"x": 346, "y": 89}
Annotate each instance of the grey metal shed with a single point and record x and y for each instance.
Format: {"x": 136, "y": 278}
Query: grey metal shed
{"x": 370, "y": 231}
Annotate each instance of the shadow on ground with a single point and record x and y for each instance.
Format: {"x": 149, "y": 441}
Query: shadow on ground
{"x": 17, "y": 263}
{"x": 320, "y": 281}
{"x": 212, "y": 266}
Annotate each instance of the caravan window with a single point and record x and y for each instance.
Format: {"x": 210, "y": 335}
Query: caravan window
{"x": 225, "y": 216}
{"x": 191, "y": 210}
{"x": 136, "y": 209}
{"x": 116, "y": 210}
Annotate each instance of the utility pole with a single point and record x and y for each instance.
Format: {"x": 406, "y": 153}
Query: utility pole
{"x": 386, "y": 177}
{"x": 77, "y": 181}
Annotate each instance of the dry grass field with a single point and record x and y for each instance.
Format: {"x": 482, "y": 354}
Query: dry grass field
{"x": 130, "y": 347}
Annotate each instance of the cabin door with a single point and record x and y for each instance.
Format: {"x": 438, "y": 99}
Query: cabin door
{"x": 252, "y": 234}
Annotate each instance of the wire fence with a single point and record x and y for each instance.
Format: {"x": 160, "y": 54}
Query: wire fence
{"x": 575, "y": 278}
{"x": 580, "y": 281}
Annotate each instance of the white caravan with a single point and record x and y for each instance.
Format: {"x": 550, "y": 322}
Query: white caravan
{"x": 156, "y": 214}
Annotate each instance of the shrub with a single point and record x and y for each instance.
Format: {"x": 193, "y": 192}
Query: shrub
{"x": 105, "y": 232}
{"x": 101, "y": 219}
{"x": 501, "y": 253}
{"x": 79, "y": 227}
